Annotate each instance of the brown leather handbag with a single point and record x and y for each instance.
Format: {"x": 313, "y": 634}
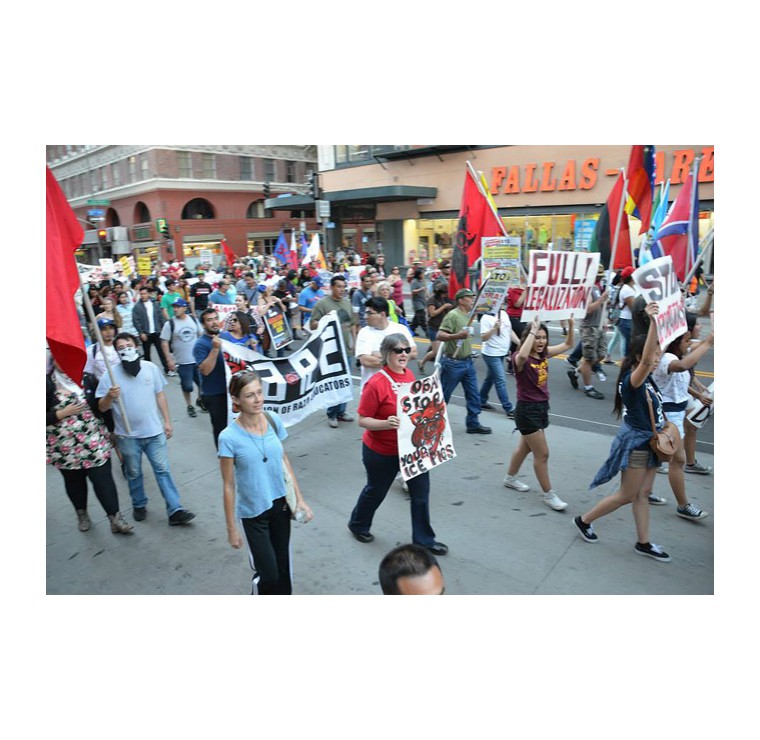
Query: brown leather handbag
{"x": 664, "y": 443}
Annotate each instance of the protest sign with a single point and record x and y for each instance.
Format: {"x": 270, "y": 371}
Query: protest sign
{"x": 657, "y": 281}
{"x": 702, "y": 412}
{"x": 316, "y": 376}
{"x": 424, "y": 433}
{"x": 224, "y": 311}
{"x": 494, "y": 291}
{"x": 144, "y": 267}
{"x": 126, "y": 267}
{"x": 106, "y": 265}
{"x": 277, "y": 326}
{"x": 501, "y": 253}
{"x": 559, "y": 284}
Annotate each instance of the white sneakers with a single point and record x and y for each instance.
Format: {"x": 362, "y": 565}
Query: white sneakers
{"x": 553, "y": 501}
{"x": 550, "y": 497}
{"x": 510, "y": 481}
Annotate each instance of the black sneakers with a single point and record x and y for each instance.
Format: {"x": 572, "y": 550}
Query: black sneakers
{"x": 180, "y": 517}
{"x": 573, "y": 379}
{"x": 650, "y": 550}
{"x": 592, "y": 392}
{"x": 139, "y": 513}
{"x": 586, "y": 531}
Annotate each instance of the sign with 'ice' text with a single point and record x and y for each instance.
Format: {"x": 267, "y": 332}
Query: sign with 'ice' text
{"x": 657, "y": 281}
{"x": 559, "y": 284}
{"x": 424, "y": 434}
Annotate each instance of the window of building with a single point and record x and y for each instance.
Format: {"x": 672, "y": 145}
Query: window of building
{"x": 198, "y": 208}
{"x": 270, "y": 170}
{"x": 132, "y": 169}
{"x": 209, "y": 166}
{"x": 116, "y": 173}
{"x": 104, "y": 178}
{"x": 246, "y": 168}
{"x": 144, "y": 166}
{"x": 290, "y": 171}
{"x": 185, "y": 164}
{"x": 255, "y": 210}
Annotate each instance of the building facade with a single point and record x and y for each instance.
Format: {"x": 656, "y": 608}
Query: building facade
{"x": 404, "y": 200}
{"x": 201, "y": 193}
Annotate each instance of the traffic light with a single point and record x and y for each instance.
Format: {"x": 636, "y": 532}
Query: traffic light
{"x": 102, "y": 237}
{"x": 267, "y": 189}
{"x": 164, "y": 230}
{"x": 313, "y": 185}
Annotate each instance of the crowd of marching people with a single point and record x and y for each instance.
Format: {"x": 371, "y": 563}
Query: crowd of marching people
{"x": 144, "y": 330}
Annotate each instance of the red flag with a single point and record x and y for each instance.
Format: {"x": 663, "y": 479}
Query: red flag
{"x": 641, "y": 184}
{"x": 623, "y": 256}
{"x": 64, "y": 235}
{"x": 476, "y": 220}
{"x": 228, "y": 253}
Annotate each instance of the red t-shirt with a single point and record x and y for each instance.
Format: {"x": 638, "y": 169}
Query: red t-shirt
{"x": 513, "y": 295}
{"x": 532, "y": 380}
{"x": 378, "y": 401}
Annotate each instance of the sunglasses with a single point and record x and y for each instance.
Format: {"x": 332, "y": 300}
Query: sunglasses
{"x": 402, "y": 350}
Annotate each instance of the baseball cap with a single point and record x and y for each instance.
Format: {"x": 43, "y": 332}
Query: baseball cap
{"x": 463, "y": 293}
{"x": 180, "y": 302}
{"x": 627, "y": 272}
{"x": 317, "y": 281}
{"x": 443, "y": 264}
{"x": 106, "y": 322}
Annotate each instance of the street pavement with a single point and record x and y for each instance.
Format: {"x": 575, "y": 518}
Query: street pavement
{"x": 501, "y": 542}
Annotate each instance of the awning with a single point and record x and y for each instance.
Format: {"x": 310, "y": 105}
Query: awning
{"x": 382, "y": 194}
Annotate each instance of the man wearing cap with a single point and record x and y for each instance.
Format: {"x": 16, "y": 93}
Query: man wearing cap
{"x": 456, "y": 363}
{"x": 593, "y": 343}
{"x": 308, "y": 298}
{"x": 148, "y": 320}
{"x": 99, "y": 352}
{"x": 178, "y": 337}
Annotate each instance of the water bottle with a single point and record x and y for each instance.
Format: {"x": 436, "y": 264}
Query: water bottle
{"x": 300, "y": 516}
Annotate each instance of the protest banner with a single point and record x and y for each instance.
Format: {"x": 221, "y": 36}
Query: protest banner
{"x": 559, "y": 284}
{"x": 126, "y": 267}
{"x": 144, "y": 266}
{"x": 424, "y": 433}
{"x": 278, "y": 327}
{"x": 702, "y": 411}
{"x": 657, "y": 281}
{"x": 316, "y": 376}
{"x": 501, "y": 253}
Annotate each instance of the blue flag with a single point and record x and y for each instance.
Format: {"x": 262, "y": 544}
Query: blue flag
{"x": 281, "y": 249}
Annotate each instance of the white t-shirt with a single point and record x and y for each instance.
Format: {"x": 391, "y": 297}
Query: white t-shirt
{"x": 625, "y": 292}
{"x": 674, "y": 387}
{"x": 498, "y": 344}
{"x": 369, "y": 339}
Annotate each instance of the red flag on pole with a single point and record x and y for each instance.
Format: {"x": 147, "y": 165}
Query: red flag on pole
{"x": 229, "y": 255}
{"x": 64, "y": 236}
{"x": 603, "y": 239}
{"x": 641, "y": 184}
{"x": 476, "y": 220}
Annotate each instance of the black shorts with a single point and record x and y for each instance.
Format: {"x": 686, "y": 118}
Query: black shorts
{"x": 531, "y": 416}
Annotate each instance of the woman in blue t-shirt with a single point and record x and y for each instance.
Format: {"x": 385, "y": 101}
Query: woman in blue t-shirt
{"x": 630, "y": 451}
{"x": 252, "y": 459}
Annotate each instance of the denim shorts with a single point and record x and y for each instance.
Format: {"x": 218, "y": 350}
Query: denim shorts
{"x": 531, "y": 416}
{"x": 186, "y": 373}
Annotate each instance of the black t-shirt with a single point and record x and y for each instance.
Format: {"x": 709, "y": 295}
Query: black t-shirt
{"x": 200, "y": 291}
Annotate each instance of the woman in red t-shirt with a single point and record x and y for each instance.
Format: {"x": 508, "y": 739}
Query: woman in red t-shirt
{"x": 531, "y": 364}
{"x": 377, "y": 415}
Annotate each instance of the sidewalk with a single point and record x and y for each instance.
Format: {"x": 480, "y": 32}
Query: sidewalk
{"x": 501, "y": 541}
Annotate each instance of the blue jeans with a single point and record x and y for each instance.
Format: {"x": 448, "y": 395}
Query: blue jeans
{"x": 498, "y": 378}
{"x": 381, "y": 472}
{"x": 625, "y": 326}
{"x": 155, "y": 450}
{"x": 454, "y": 372}
{"x": 335, "y": 411}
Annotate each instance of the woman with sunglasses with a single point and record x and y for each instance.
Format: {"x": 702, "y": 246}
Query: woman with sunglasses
{"x": 377, "y": 416}
{"x": 239, "y": 331}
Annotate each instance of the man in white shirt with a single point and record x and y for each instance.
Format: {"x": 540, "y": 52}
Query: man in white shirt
{"x": 369, "y": 338}
{"x": 496, "y": 334}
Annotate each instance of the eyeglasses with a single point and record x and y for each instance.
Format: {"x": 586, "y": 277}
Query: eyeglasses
{"x": 402, "y": 350}
{"x": 230, "y": 321}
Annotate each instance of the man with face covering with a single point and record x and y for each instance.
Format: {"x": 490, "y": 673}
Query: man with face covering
{"x": 140, "y": 385}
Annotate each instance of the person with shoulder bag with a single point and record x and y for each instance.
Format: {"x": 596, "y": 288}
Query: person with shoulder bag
{"x": 631, "y": 453}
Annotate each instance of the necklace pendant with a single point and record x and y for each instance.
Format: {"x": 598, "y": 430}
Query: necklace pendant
{"x": 265, "y": 459}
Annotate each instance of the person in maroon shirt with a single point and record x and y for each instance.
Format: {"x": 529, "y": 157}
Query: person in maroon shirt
{"x": 531, "y": 364}
{"x": 377, "y": 416}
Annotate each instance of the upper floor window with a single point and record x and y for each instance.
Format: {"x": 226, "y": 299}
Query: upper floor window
{"x": 270, "y": 170}
{"x": 185, "y": 164}
{"x": 209, "y": 166}
{"x": 246, "y": 168}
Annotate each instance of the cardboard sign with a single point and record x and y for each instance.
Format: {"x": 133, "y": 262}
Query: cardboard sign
{"x": 703, "y": 412}
{"x": 501, "y": 253}
{"x": 494, "y": 291}
{"x": 144, "y": 266}
{"x": 424, "y": 434}
{"x": 224, "y": 311}
{"x": 559, "y": 284}
{"x": 316, "y": 376}
{"x": 277, "y": 326}
{"x": 657, "y": 281}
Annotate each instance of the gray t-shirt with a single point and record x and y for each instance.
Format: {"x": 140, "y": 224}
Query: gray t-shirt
{"x": 186, "y": 333}
{"x": 419, "y": 300}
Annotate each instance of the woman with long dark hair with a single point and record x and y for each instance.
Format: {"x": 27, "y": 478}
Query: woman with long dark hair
{"x": 630, "y": 451}
{"x": 531, "y": 366}
{"x": 239, "y": 331}
{"x": 253, "y": 463}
